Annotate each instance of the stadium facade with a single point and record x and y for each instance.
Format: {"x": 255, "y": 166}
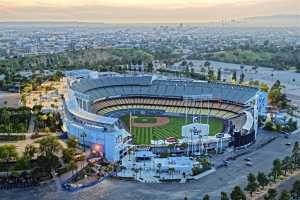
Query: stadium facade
{"x": 92, "y": 108}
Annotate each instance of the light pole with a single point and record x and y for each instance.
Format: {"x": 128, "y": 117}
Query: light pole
{"x": 130, "y": 123}
{"x": 208, "y": 111}
{"x": 200, "y": 143}
{"x": 185, "y": 112}
{"x": 83, "y": 135}
{"x": 192, "y": 132}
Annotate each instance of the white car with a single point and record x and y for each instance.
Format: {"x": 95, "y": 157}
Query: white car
{"x": 248, "y": 159}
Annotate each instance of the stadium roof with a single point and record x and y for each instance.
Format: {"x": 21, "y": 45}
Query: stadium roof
{"x": 149, "y": 86}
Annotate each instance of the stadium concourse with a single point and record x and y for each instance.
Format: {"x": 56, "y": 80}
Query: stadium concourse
{"x": 213, "y": 116}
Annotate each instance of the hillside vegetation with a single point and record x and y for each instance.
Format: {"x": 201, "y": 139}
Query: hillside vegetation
{"x": 289, "y": 59}
{"x": 90, "y": 58}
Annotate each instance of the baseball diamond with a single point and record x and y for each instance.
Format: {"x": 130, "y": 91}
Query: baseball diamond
{"x": 147, "y": 128}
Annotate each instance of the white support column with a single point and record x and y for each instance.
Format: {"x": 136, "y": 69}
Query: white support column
{"x": 221, "y": 144}
{"x": 85, "y": 105}
{"x": 81, "y": 103}
{"x": 255, "y": 114}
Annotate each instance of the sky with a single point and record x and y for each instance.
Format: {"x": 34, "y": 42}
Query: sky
{"x": 123, "y": 11}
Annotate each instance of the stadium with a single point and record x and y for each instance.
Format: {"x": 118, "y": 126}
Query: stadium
{"x": 120, "y": 114}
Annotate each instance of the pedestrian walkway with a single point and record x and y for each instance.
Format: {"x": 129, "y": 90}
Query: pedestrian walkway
{"x": 148, "y": 178}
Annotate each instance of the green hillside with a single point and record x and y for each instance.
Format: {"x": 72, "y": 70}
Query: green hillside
{"x": 98, "y": 59}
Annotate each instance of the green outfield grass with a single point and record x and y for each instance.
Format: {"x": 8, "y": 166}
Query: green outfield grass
{"x": 172, "y": 129}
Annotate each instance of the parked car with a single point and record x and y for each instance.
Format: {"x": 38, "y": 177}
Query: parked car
{"x": 248, "y": 159}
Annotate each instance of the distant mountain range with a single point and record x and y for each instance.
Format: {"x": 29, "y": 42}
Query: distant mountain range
{"x": 276, "y": 17}
{"x": 273, "y": 20}
{"x": 283, "y": 20}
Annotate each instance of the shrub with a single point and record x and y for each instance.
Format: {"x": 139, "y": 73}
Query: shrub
{"x": 12, "y": 137}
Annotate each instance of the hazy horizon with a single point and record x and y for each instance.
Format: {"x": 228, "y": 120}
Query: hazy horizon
{"x": 140, "y": 11}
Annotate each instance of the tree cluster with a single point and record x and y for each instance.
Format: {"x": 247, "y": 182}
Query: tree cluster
{"x": 277, "y": 97}
{"x": 261, "y": 180}
{"x": 14, "y": 120}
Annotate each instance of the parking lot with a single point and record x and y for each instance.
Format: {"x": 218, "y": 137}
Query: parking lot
{"x": 289, "y": 79}
{"x": 224, "y": 179}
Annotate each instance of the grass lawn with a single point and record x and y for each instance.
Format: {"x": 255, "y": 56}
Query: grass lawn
{"x": 172, "y": 129}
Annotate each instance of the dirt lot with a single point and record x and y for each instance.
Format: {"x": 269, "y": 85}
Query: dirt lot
{"x": 8, "y": 99}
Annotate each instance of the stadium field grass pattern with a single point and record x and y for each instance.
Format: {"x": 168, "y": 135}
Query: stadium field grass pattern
{"x": 172, "y": 129}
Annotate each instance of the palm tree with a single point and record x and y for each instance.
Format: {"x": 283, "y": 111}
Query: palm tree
{"x": 206, "y": 197}
{"x": 237, "y": 194}
{"x": 262, "y": 180}
{"x": 271, "y": 195}
{"x": 72, "y": 142}
{"x": 140, "y": 170}
{"x": 123, "y": 169}
{"x": 159, "y": 168}
{"x": 30, "y": 150}
{"x": 287, "y": 164}
{"x": 296, "y": 154}
{"x": 49, "y": 146}
{"x": 72, "y": 166}
{"x": 185, "y": 197}
{"x": 171, "y": 171}
{"x": 295, "y": 192}
{"x": 285, "y": 195}
{"x": 276, "y": 170}
{"x": 224, "y": 196}
{"x": 136, "y": 171}
{"x": 252, "y": 184}
{"x": 6, "y": 115}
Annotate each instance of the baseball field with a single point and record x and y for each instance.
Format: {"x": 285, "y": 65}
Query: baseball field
{"x": 147, "y": 128}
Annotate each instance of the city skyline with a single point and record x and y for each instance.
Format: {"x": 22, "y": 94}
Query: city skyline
{"x": 117, "y": 11}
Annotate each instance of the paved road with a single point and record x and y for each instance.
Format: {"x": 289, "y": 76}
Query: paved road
{"x": 224, "y": 179}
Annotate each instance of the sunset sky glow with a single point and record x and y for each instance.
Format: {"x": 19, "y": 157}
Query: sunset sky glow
{"x": 141, "y": 10}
